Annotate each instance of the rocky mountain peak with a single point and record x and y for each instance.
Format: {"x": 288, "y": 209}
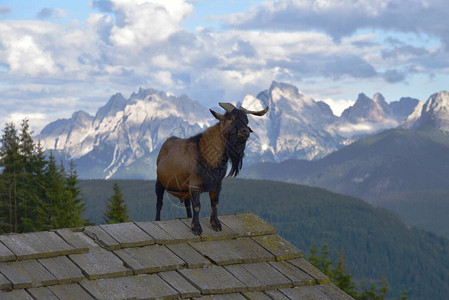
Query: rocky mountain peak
{"x": 434, "y": 114}
{"x": 366, "y": 109}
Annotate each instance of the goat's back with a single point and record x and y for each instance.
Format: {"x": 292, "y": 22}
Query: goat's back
{"x": 176, "y": 164}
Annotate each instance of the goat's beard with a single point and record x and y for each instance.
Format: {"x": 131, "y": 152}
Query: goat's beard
{"x": 235, "y": 152}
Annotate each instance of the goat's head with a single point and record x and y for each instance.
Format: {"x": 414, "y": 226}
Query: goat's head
{"x": 235, "y": 129}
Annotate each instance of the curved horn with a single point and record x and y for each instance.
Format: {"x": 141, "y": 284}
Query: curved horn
{"x": 227, "y": 106}
{"x": 256, "y": 113}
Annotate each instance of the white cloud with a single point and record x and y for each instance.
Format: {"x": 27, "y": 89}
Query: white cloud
{"x": 127, "y": 44}
{"x": 338, "y": 106}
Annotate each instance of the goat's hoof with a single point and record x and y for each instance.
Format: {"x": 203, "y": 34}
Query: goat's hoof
{"x": 216, "y": 225}
{"x": 196, "y": 228}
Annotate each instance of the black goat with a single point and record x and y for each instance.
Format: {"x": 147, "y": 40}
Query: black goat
{"x": 188, "y": 167}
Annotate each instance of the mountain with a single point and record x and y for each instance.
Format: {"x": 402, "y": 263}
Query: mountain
{"x": 380, "y": 167}
{"x": 402, "y": 108}
{"x": 296, "y": 126}
{"x": 376, "y": 242}
{"x": 368, "y": 116}
{"x": 434, "y": 114}
{"x": 368, "y": 110}
{"x": 123, "y": 139}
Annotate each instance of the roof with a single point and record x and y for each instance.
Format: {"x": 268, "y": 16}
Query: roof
{"x": 164, "y": 259}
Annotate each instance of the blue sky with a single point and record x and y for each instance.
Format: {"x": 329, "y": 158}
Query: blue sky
{"x": 57, "y": 57}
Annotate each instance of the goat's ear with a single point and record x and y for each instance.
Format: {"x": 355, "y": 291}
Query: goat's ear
{"x": 216, "y": 115}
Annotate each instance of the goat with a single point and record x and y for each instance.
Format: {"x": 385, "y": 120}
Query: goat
{"x": 188, "y": 167}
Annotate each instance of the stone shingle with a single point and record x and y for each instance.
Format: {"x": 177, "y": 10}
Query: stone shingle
{"x": 102, "y": 237}
{"x": 243, "y": 250}
{"x": 178, "y": 231}
{"x": 253, "y": 263}
{"x": 192, "y": 258}
{"x": 6, "y": 254}
{"x": 135, "y": 287}
{"x": 74, "y": 239}
{"x": 5, "y": 284}
{"x": 70, "y": 291}
{"x": 259, "y": 276}
{"x": 159, "y": 235}
{"x": 310, "y": 269}
{"x": 305, "y": 293}
{"x": 42, "y": 293}
{"x": 27, "y": 273}
{"x": 64, "y": 270}
{"x": 247, "y": 224}
{"x": 279, "y": 247}
{"x": 100, "y": 263}
{"x": 213, "y": 280}
{"x": 37, "y": 245}
{"x": 180, "y": 284}
{"x": 128, "y": 234}
{"x": 333, "y": 292}
{"x": 150, "y": 259}
{"x": 276, "y": 294}
{"x": 233, "y": 296}
{"x": 15, "y": 295}
{"x": 257, "y": 296}
{"x": 295, "y": 274}
{"x": 210, "y": 234}
{"x": 106, "y": 288}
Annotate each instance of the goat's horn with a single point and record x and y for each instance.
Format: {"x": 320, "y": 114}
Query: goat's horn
{"x": 227, "y": 106}
{"x": 256, "y": 113}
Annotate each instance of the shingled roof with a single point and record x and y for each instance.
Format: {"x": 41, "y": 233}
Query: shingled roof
{"x": 164, "y": 259}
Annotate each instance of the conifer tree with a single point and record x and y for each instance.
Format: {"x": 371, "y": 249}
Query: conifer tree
{"x": 30, "y": 182}
{"x": 117, "y": 210}
{"x": 75, "y": 205}
{"x": 55, "y": 194}
{"x": 10, "y": 162}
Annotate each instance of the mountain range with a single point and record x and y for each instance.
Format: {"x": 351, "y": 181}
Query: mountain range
{"x": 404, "y": 169}
{"x": 123, "y": 138}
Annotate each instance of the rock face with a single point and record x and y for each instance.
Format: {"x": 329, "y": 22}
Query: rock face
{"x": 434, "y": 114}
{"x": 368, "y": 110}
{"x": 123, "y": 139}
{"x": 124, "y": 136}
{"x": 295, "y": 126}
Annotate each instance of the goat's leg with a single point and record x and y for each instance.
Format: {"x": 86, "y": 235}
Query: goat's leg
{"x": 188, "y": 208}
{"x": 160, "y": 195}
{"x": 196, "y": 226}
{"x": 214, "y": 221}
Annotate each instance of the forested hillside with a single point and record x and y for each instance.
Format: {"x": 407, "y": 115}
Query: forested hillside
{"x": 375, "y": 241}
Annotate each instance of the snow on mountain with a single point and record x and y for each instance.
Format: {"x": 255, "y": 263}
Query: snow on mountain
{"x": 294, "y": 127}
{"x": 434, "y": 114}
{"x": 123, "y": 139}
{"x": 124, "y": 133}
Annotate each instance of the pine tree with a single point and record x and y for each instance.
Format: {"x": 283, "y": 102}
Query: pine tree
{"x": 30, "y": 182}
{"x": 342, "y": 278}
{"x": 75, "y": 205}
{"x": 55, "y": 194}
{"x": 117, "y": 210}
{"x": 10, "y": 162}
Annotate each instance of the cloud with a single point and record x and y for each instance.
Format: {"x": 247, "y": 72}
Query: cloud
{"x": 394, "y": 76}
{"x": 47, "y": 13}
{"x": 345, "y": 17}
{"x": 126, "y": 44}
{"x": 338, "y": 106}
{"x": 4, "y": 10}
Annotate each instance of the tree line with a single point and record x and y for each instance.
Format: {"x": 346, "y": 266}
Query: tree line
{"x": 37, "y": 193}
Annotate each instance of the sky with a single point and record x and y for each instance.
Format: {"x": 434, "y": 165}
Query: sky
{"x": 58, "y": 57}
